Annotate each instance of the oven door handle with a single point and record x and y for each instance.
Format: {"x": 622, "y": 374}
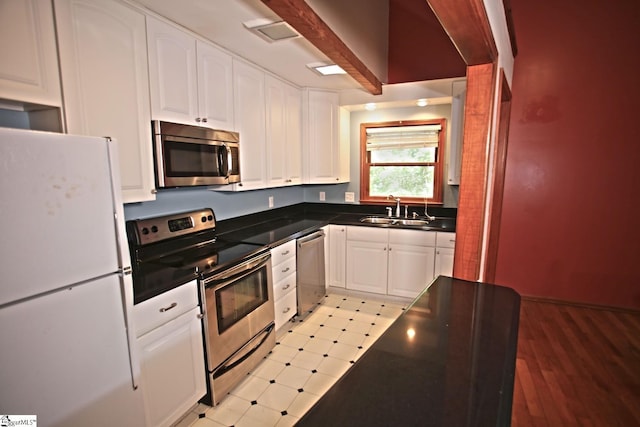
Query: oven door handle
{"x": 239, "y": 271}
{"x": 233, "y": 361}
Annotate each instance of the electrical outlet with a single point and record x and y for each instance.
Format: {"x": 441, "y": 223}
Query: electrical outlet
{"x": 349, "y": 196}
{"x": 322, "y": 196}
{"x": 270, "y": 201}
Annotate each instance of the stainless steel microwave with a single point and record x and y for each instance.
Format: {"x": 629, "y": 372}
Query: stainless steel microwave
{"x": 188, "y": 156}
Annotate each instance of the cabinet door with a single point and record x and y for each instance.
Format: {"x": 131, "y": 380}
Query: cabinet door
{"x": 293, "y": 148}
{"x": 337, "y": 254}
{"x": 410, "y": 269}
{"x": 173, "y": 371}
{"x": 29, "y": 66}
{"x": 172, "y": 73}
{"x": 105, "y": 84}
{"x": 276, "y": 140}
{"x": 321, "y": 151}
{"x": 215, "y": 87}
{"x": 249, "y": 111}
{"x": 366, "y": 266}
{"x": 444, "y": 262}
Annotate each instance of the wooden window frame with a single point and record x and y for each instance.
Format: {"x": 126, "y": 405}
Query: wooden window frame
{"x": 365, "y": 164}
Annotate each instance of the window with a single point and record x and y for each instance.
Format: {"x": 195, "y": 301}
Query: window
{"x": 403, "y": 159}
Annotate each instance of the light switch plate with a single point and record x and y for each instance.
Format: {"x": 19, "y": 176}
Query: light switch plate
{"x": 322, "y": 196}
{"x": 349, "y": 196}
{"x": 270, "y": 201}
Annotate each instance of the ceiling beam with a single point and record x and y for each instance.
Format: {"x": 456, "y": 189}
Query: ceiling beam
{"x": 303, "y": 18}
{"x": 467, "y": 24}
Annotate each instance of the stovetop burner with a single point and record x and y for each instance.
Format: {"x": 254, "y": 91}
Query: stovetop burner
{"x": 171, "y": 250}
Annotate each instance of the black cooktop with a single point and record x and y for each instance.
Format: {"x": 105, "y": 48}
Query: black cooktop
{"x": 157, "y": 274}
{"x": 171, "y": 250}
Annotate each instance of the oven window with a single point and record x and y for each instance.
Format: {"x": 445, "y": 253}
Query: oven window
{"x": 237, "y": 299}
{"x": 185, "y": 159}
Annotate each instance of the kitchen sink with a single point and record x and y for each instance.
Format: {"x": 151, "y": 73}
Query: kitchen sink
{"x": 377, "y": 220}
{"x": 443, "y": 224}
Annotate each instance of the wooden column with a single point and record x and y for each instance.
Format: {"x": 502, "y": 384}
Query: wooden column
{"x": 475, "y": 167}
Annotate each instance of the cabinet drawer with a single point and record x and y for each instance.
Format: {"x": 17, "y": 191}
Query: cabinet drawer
{"x": 283, "y": 252}
{"x": 285, "y": 309}
{"x": 445, "y": 240}
{"x": 412, "y": 237}
{"x": 367, "y": 234}
{"x": 157, "y": 311}
{"x": 280, "y": 271}
{"x": 284, "y": 286}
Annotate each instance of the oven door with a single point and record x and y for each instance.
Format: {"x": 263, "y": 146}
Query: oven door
{"x": 239, "y": 305}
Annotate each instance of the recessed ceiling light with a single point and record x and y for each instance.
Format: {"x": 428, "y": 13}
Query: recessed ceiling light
{"x": 326, "y": 69}
{"x": 370, "y": 106}
{"x": 271, "y": 31}
{"x": 422, "y": 102}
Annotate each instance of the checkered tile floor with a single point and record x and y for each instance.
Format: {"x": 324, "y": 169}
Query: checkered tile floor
{"x": 311, "y": 353}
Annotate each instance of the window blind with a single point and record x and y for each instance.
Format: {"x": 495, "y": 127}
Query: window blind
{"x": 386, "y": 138}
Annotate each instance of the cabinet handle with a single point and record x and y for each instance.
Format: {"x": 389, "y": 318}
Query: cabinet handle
{"x": 200, "y": 316}
{"x": 286, "y": 310}
{"x": 204, "y": 120}
{"x": 289, "y": 180}
{"x": 173, "y": 305}
{"x": 285, "y": 287}
{"x": 286, "y": 269}
{"x": 286, "y": 253}
{"x": 452, "y": 241}
{"x": 198, "y": 119}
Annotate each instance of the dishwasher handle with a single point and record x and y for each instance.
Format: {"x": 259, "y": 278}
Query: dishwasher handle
{"x": 309, "y": 238}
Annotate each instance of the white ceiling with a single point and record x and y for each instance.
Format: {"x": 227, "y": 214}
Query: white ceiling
{"x": 221, "y": 22}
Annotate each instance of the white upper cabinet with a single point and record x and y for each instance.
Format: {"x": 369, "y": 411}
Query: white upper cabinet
{"x": 322, "y": 148}
{"x": 215, "y": 88}
{"x": 249, "y": 109}
{"x": 284, "y": 134}
{"x": 191, "y": 81}
{"x": 105, "y": 83}
{"x": 29, "y": 65}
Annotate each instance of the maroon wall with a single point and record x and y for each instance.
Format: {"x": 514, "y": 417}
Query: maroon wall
{"x": 419, "y": 48}
{"x": 571, "y": 215}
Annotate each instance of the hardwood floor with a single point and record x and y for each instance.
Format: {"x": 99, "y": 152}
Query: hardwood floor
{"x": 576, "y": 366}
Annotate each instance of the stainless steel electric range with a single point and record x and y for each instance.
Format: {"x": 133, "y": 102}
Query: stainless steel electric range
{"x": 235, "y": 281}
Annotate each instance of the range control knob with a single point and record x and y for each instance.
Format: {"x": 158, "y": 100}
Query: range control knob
{"x": 145, "y": 231}
{"x": 154, "y": 229}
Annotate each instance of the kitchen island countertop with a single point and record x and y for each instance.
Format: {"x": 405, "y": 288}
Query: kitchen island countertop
{"x": 449, "y": 360}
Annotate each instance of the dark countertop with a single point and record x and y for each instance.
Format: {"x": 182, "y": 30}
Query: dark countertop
{"x": 274, "y": 227}
{"x": 457, "y": 370}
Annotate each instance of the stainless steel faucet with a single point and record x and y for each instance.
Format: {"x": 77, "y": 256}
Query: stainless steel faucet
{"x": 397, "y": 200}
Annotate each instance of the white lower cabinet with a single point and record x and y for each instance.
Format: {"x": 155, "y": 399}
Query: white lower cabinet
{"x": 283, "y": 261}
{"x": 366, "y": 259}
{"x": 397, "y": 262}
{"x": 411, "y": 262}
{"x": 173, "y": 375}
{"x": 445, "y": 249}
{"x": 337, "y": 254}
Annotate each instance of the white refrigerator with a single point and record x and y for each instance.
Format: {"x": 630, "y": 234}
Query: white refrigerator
{"x": 66, "y": 293}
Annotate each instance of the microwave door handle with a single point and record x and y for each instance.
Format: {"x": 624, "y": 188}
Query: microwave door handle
{"x": 228, "y": 163}
{"x": 224, "y": 168}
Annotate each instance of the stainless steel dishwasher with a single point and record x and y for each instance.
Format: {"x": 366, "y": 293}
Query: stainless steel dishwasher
{"x": 310, "y": 271}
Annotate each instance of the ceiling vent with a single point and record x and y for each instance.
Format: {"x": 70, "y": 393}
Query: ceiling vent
{"x": 271, "y": 31}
